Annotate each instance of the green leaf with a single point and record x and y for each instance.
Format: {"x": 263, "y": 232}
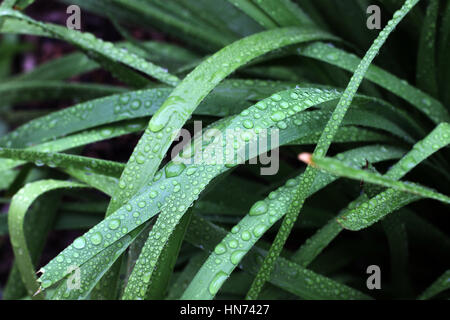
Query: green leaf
{"x": 189, "y": 177}
{"x": 391, "y": 200}
{"x": 99, "y": 47}
{"x": 261, "y": 217}
{"x": 426, "y": 104}
{"x": 321, "y": 148}
{"x": 254, "y": 12}
{"x": 290, "y": 277}
{"x": 27, "y": 91}
{"x": 183, "y": 101}
{"x": 426, "y": 56}
{"x": 63, "y": 160}
{"x": 284, "y": 12}
{"x": 336, "y": 167}
{"x": 17, "y": 211}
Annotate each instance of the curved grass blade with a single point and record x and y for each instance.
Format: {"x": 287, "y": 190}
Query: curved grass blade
{"x": 151, "y": 199}
{"x": 426, "y": 56}
{"x": 183, "y": 101}
{"x": 106, "y": 184}
{"x": 289, "y": 276}
{"x": 208, "y": 37}
{"x": 297, "y": 100}
{"x": 250, "y": 9}
{"x": 86, "y": 115}
{"x": 98, "y": 47}
{"x": 284, "y": 12}
{"x": 261, "y": 217}
{"x": 17, "y": 211}
{"x": 376, "y": 208}
{"x": 397, "y": 237}
{"x": 426, "y": 104}
{"x": 188, "y": 273}
{"x": 444, "y": 48}
{"x": 63, "y": 161}
{"x": 346, "y": 134}
{"x": 167, "y": 260}
{"x": 321, "y": 148}
{"x": 336, "y": 167}
{"x": 37, "y": 224}
{"x": 80, "y": 139}
{"x": 27, "y": 91}
{"x": 229, "y": 98}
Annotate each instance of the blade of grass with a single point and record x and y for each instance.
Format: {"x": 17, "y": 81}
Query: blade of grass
{"x": 426, "y": 56}
{"x": 444, "y": 48}
{"x": 254, "y": 12}
{"x": 176, "y": 110}
{"x": 31, "y": 91}
{"x": 17, "y": 211}
{"x": 336, "y": 167}
{"x": 189, "y": 177}
{"x": 284, "y": 12}
{"x": 63, "y": 161}
{"x": 290, "y": 277}
{"x": 320, "y": 150}
{"x": 426, "y": 104}
{"x": 261, "y": 217}
{"x": 98, "y": 47}
{"x": 367, "y": 214}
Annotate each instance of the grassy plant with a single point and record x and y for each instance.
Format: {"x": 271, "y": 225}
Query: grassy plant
{"x": 168, "y": 225}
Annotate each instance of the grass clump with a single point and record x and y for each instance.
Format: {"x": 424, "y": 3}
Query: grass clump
{"x": 164, "y": 222}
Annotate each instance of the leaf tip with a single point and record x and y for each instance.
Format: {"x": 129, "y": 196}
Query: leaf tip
{"x": 305, "y": 157}
{"x": 39, "y": 290}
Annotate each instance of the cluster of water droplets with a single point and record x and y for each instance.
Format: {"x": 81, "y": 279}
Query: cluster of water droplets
{"x": 387, "y": 201}
{"x": 263, "y": 214}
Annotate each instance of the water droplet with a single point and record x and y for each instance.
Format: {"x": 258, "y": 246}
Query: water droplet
{"x": 233, "y": 244}
{"x": 246, "y": 235}
{"x": 259, "y": 230}
{"x": 174, "y": 169}
{"x": 248, "y": 124}
{"x": 258, "y": 208}
{"x": 114, "y": 224}
{"x": 277, "y": 116}
{"x": 96, "y": 238}
{"x": 217, "y": 282}
{"x": 220, "y": 249}
{"x": 79, "y": 243}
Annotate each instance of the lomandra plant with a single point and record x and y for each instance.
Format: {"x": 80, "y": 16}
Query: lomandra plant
{"x": 346, "y": 111}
